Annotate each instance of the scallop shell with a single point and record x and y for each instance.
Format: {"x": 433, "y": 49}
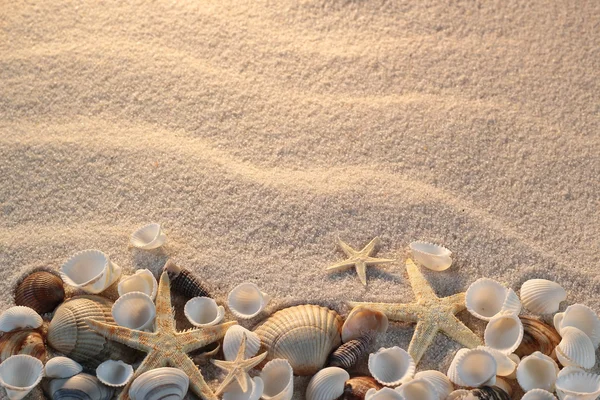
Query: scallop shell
{"x": 440, "y": 382}
{"x": 578, "y": 385}
{"x": 363, "y": 320}
{"x": 538, "y": 394}
{"x": 483, "y": 393}
{"x": 486, "y": 298}
{"x": 383, "y": 394}
{"x": 41, "y": 291}
{"x": 391, "y": 366}
{"x": 19, "y": 317}
{"x": 356, "y": 388}
{"x": 233, "y": 340}
{"x": 27, "y": 342}
{"x": 246, "y": 300}
{"x": 327, "y": 384}
{"x": 134, "y": 310}
{"x": 537, "y": 371}
{"x": 418, "y": 389}
{"x": 142, "y": 281}
{"x": 234, "y": 391}
{"x": 505, "y": 365}
{"x": 473, "y": 367}
{"x": 304, "y": 335}
{"x": 575, "y": 349}
{"x": 114, "y": 373}
{"x": 504, "y": 333}
{"x": 348, "y": 354}
{"x": 432, "y": 256}
{"x": 160, "y": 383}
{"x": 148, "y": 237}
{"x": 184, "y": 282}
{"x": 78, "y": 387}
{"x": 537, "y": 336}
{"x": 90, "y": 271}
{"x": 278, "y": 379}
{"x": 541, "y": 296}
{"x": 581, "y": 317}
{"x": 69, "y": 334}
{"x": 20, "y": 374}
{"x": 203, "y": 311}
{"x": 62, "y": 367}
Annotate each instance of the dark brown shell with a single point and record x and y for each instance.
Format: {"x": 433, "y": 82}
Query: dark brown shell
{"x": 348, "y": 354}
{"x": 356, "y": 388}
{"x": 538, "y": 336}
{"x": 29, "y": 342}
{"x": 483, "y": 393}
{"x": 186, "y": 284}
{"x": 42, "y": 291}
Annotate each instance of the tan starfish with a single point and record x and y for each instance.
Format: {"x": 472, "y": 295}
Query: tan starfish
{"x": 238, "y": 368}
{"x": 166, "y": 346}
{"x": 359, "y": 259}
{"x": 431, "y": 313}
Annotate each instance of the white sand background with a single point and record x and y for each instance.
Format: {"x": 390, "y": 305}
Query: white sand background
{"x": 260, "y": 132}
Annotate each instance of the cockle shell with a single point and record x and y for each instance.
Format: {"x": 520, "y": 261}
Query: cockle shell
{"x": 42, "y": 291}
{"x": 575, "y": 349}
{"x": 473, "y": 367}
{"x": 327, "y": 384}
{"x": 20, "y": 374}
{"x": 363, "y": 320}
{"x": 538, "y": 394}
{"x": 114, "y": 373}
{"x": 357, "y": 387}
{"x": 505, "y": 365}
{"x": 348, "y": 354}
{"x": 485, "y": 298}
{"x": 278, "y": 379}
{"x": 578, "y": 385}
{"x": 19, "y": 317}
{"x": 483, "y": 393}
{"x": 418, "y": 389}
{"x": 160, "y": 383}
{"x": 504, "y": 333}
{"x": 246, "y": 300}
{"x": 78, "y": 387}
{"x": 581, "y": 317}
{"x": 134, "y": 310}
{"x": 27, "y": 342}
{"x": 304, "y": 335}
{"x": 184, "y": 281}
{"x": 440, "y": 382}
{"x": 62, "y": 367}
{"x": 233, "y": 340}
{"x": 537, "y": 336}
{"x": 148, "y": 237}
{"x": 254, "y": 391}
{"x": 203, "y": 311}
{"x": 541, "y": 296}
{"x": 537, "y": 371}
{"x": 432, "y": 256}
{"x": 383, "y": 394}
{"x": 90, "y": 270}
{"x": 142, "y": 281}
{"x": 391, "y": 366}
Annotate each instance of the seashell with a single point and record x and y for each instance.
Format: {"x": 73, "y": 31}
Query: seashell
{"x": 78, "y": 387}
{"x": 486, "y": 298}
{"x": 356, "y": 388}
{"x": 541, "y": 296}
{"x": 327, "y": 384}
{"x": 69, "y": 334}
{"x": 348, "y": 354}
{"x": 537, "y": 371}
{"x": 20, "y": 374}
{"x": 578, "y": 386}
{"x": 581, "y": 317}
{"x": 418, "y": 389}
{"x": 304, "y": 335}
{"x": 184, "y": 282}
{"x": 90, "y": 270}
{"x": 41, "y": 291}
{"x": 233, "y": 340}
{"x": 160, "y": 383}
{"x": 504, "y": 385}
{"x": 537, "y": 336}
{"x": 142, "y": 281}
{"x": 432, "y": 256}
{"x": 473, "y": 367}
{"x": 114, "y": 373}
{"x": 19, "y": 317}
{"x": 362, "y": 320}
{"x": 391, "y": 366}
{"x": 575, "y": 349}
{"x": 134, "y": 310}
{"x": 278, "y": 379}
{"x": 440, "y": 382}
{"x": 484, "y": 393}
{"x": 62, "y": 367}
{"x": 504, "y": 333}
{"x": 505, "y": 365}
{"x": 27, "y": 342}
{"x": 203, "y": 311}
{"x": 148, "y": 237}
{"x": 384, "y": 394}
{"x": 538, "y": 394}
{"x": 235, "y": 392}
{"x": 246, "y": 300}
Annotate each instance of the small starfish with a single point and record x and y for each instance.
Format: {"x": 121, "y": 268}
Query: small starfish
{"x": 359, "y": 259}
{"x": 238, "y": 368}
{"x": 166, "y": 346}
{"x": 431, "y": 313}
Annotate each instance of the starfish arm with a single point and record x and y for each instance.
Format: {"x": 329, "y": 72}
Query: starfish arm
{"x": 231, "y": 376}
{"x": 458, "y": 331}
{"x": 457, "y": 302}
{"x": 224, "y": 365}
{"x": 425, "y": 332}
{"x": 253, "y": 362}
{"x": 420, "y": 286}
{"x": 376, "y": 261}
{"x": 130, "y": 337}
{"x": 349, "y": 251}
{"x": 341, "y": 265}
{"x": 394, "y": 311}
{"x": 152, "y": 360}
{"x": 361, "y": 270}
{"x": 197, "y": 338}
{"x": 165, "y": 320}
{"x": 370, "y": 247}
{"x": 197, "y": 383}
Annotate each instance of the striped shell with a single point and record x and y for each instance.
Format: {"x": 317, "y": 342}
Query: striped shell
{"x": 304, "y": 335}
{"x": 41, "y": 291}
{"x": 541, "y": 296}
{"x": 78, "y": 387}
{"x": 160, "y": 383}
{"x": 483, "y": 393}
{"x": 184, "y": 282}
{"x": 356, "y": 388}
{"x": 347, "y": 355}
{"x": 28, "y": 342}
{"x": 537, "y": 336}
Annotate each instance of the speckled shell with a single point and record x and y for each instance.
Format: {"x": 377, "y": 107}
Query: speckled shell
{"x": 69, "y": 334}
{"x": 28, "y": 342}
{"x": 356, "y": 388}
{"x": 304, "y": 335}
{"x": 184, "y": 282}
{"x": 348, "y": 354}
{"x": 41, "y": 291}
{"x": 78, "y": 387}
{"x": 484, "y": 393}
{"x": 538, "y": 336}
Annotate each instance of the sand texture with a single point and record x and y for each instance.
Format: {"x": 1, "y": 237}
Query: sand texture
{"x": 259, "y": 132}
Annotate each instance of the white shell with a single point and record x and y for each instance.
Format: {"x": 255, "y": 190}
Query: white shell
{"x": 383, "y": 394}
{"x": 485, "y": 298}
{"x": 327, "y": 384}
{"x": 505, "y": 364}
{"x": 233, "y": 340}
{"x": 114, "y": 373}
{"x": 504, "y": 333}
{"x": 578, "y": 386}
{"x": 142, "y": 281}
{"x": 391, "y": 366}
{"x": 278, "y": 379}
{"x": 62, "y": 367}
{"x": 255, "y": 390}
{"x": 159, "y": 383}
{"x": 432, "y": 256}
{"x": 474, "y": 368}
{"x": 134, "y": 310}
{"x": 538, "y": 394}
{"x": 440, "y": 382}
{"x": 19, "y": 317}
{"x": 203, "y": 311}
{"x": 246, "y": 300}
{"x": 541, "y": 296}
{"x": 148, "y": 237}
{"x": 537, "y": 371}
{"x": 19, "y": 374}
{"x": 90, "y": 270}
{"x": 581, "y": 317}
{"x": 418, "y": 389}
{"x": 575, "y": 349}
{"x": 80, "y": 386}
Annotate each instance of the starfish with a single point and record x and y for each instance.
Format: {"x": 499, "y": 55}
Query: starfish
{"x": 238, "y": 368}
{"x": 166, "y": 346}
{"x": 359, "y": 259}
{"x": 431, "y": 313}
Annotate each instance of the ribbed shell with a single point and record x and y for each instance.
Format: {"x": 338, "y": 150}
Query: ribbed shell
{"x": 538, "y": 394}
{"x": 186, "y": 284}
{"x": 576, "y": 349}
{"x": 537, "y": 336}
{"x": 348, "y": 354}
{"x": 484, "y": 393}
{"x": 327, "y": 384}
{"x": 356, "y": 388}
{"x": 28, "y": 342}
{"x": 159, "y": 383}
{"x": 69, "y": 334}
{"x": 304, "y": 335}
{"x": 78, "y": 387}
{"x": 541, "y": 296}
{"x": 41, "y": 291}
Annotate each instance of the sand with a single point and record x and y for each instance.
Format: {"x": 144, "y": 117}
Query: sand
{"x": 259, "y": 132}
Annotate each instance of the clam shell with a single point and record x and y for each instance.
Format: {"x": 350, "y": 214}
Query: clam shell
{"x": 62, "y": 367}
{"x": 41, "y": 291}
{"x": 504, "y": 333}
{"x": 418, "y": 389}
{"x": 27, "y": 342}
{"x": 356, "y": 388}
{"x": 254, "y": 392}
{"x": 304, "y": 335}
{"x": 483, "y": 393}
{"x": 432, "y": 256}
{"x": 203, "y": 311}
{"x": 538, "y": 394}
{"x": 184, "y": 281}
{"x": 363, "y": 320}
{"x": 350, "y": 353}
{"x": 246, "y": 300}
{"x": 142, "y": 281}
{"x": 134, "y": 310}
{"x": 19, "y": 317}
{"x": 504, "y": 385}
{"x": 575, "y": 349}
{"x": 233, "y": 340}
{"x": 440, "y": 382}
{"x": 581, "y": 317}
{"x": 148, "y": 237}
{"x": 114, "y": 373}
{"x": 537, "y": 371}
{"x": 541, "y": 296}
{"x": 78, "y": 387}
{"x": 537, "y": 336}
{"x": 20, "y": 374}
{"x": 473, "y": 367}
{"x": 383, "y": 394}
{"x": 327, "y": 384}
{"x": 391, "y": 366}
{"x": 578, "y": 385}
{"x": 160, "y": 383}
{"x": 505, "y": 365}
{"x": 278, "y": 379}
{"x": 486, "y": 298}
{"x": 90, "y": 271}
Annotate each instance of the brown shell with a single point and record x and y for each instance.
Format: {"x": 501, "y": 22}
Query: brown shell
{"x": 42, "y": 291}
{"x": 350, "y": 353}
{"x": 483, "y": 393}
{"x": 356, "y": 388}
{"x": 538, "y": 336}
{"x": 28, "y": 341}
